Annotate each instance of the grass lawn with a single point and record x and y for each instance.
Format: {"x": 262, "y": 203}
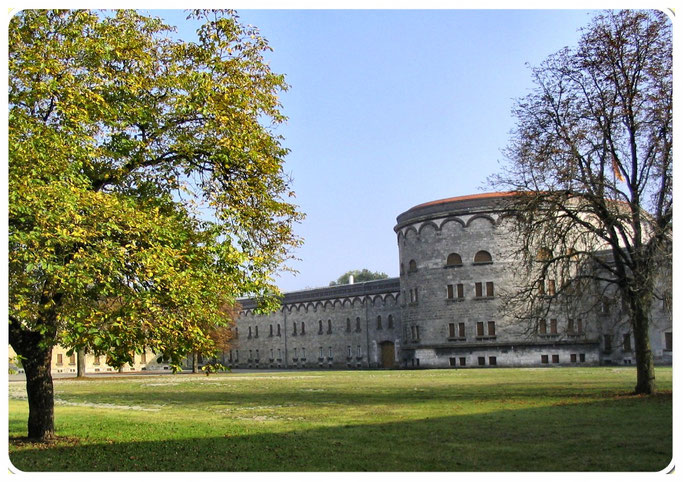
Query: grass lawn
{"x": 534, "y": 419}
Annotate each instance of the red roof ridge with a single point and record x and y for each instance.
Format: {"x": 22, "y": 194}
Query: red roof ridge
{"x": 468, "y": 197}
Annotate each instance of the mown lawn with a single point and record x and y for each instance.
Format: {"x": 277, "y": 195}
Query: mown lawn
{"x": 536, "y": 419}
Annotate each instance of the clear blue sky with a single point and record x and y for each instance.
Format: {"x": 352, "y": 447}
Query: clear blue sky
{"x": 392, "y": 108}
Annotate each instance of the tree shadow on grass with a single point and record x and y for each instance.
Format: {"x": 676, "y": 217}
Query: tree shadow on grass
{"x": 618, "y": 434}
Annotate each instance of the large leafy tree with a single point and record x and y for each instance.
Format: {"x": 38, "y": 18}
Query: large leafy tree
{"x": 591, "y": 160}
{"x": 359, "y": 276}
{"x": 146, "y": 186}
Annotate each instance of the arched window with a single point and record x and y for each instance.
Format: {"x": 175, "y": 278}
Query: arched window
{"x": 320, "y": 327}
{"x": 544, "y": 254}
{"x": 483, "y": 257}
{"x": 294, "y": 327}
{"x": 401, "y": 269}
{"x": 357, "y": 324}
{"x": 379, "y": 322}
{"x": 329, "y": 326}
{"x": 303, "y": 328}
{"x": 412, "y": 266}
{"x": 348, "y": 324}
{"x": 454, "y": 259}
{"x": 390, "y": 322}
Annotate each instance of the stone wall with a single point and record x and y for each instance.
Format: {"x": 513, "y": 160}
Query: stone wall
{"x": 337, "y": 327}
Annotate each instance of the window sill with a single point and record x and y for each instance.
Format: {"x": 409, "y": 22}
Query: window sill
{"x": 457, "y": 338}
{"x": 483, "y": 298}
{"x": 485, "y": 338}
{"x": 454, "y": 300}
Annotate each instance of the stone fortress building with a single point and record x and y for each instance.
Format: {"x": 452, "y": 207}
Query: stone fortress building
{"x": 443, "y": 311}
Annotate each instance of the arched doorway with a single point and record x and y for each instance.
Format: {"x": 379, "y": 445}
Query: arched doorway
{"x": 388, "y": 354}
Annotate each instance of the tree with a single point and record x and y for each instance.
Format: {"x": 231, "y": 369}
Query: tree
{"x": 358, "y": 276}
{"x": 591, "y": 161}
{"x": 146, "y": 187}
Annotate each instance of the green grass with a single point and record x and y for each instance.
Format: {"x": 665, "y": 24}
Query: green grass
{"x": 536, "y": 419}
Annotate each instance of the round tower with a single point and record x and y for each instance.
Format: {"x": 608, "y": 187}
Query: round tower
{"x": 452, "y": 255}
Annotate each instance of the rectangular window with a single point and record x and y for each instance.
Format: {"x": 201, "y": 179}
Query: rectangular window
{"x": 608, "y": 343}
{"x": 451, "y": 330}
{"x": 604, "y": 307}
{"x": 321, "y": 352}
{"x": 349, "y": 350}
{"x": 279, "y": 353}
{"x": 251, "y": 354}
{"x": 417, "y": 331}
{"x": 544, "y": 358}
{"x": 572, "y": 357}
{"x": 358, "y": 351}
{"x": 463, "y": 361}
{"x": 143, "y": 357}
{"x": 556, "y": 358}
{"x": 582, "y": 357}
{"x": 579, "y": 326}
{"x": 449, "y": 292}
{"x": 627, "y": 342}
{"x": 477, "y": 290}
{"x": 96, "y": 361}
{"x": 542, "y": 327}
{"x": 461, "y": 330}
{"x": 541, "y": 287}
{"x": 492, "y": 328}
{"x": 482, "y": 360}
{"x": 257, "y": 356}
{"x": 492, "y": 360}
{"x": 412, "y": 332}
{"x": 72, "y": 359}
{"x": 461, "y": 291}
{"x": 451, "y": 361}
{"x": 668, "y": 341}
{"x": 303, "y": 353}
{"x": 296, "y": 353}
{"x": 60, "y": 359}
{"x": 330, "y": 352}
{"x": 551, "y": 287}
{"x": 570, "y": 326}
{"x": 480, "y": 328}
{"x": 489, "y": 289}
{"x": 553, "y": 326}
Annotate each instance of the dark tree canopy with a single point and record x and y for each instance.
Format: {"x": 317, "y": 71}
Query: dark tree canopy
{"x": 359, "y": 276}
{"x": 146, "y": 186}
{"x": 591, "y": 159}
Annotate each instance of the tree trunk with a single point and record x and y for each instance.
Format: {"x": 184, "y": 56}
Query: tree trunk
{"x": 195, "y": 364}
{"x": 80, "y": 370}
{"x": 645, "y": 368}
{"x": 36, "y": 359}
{"x": 40, "y": 391}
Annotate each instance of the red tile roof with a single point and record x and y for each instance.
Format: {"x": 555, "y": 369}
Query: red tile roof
{"x": 465, "y": 198}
